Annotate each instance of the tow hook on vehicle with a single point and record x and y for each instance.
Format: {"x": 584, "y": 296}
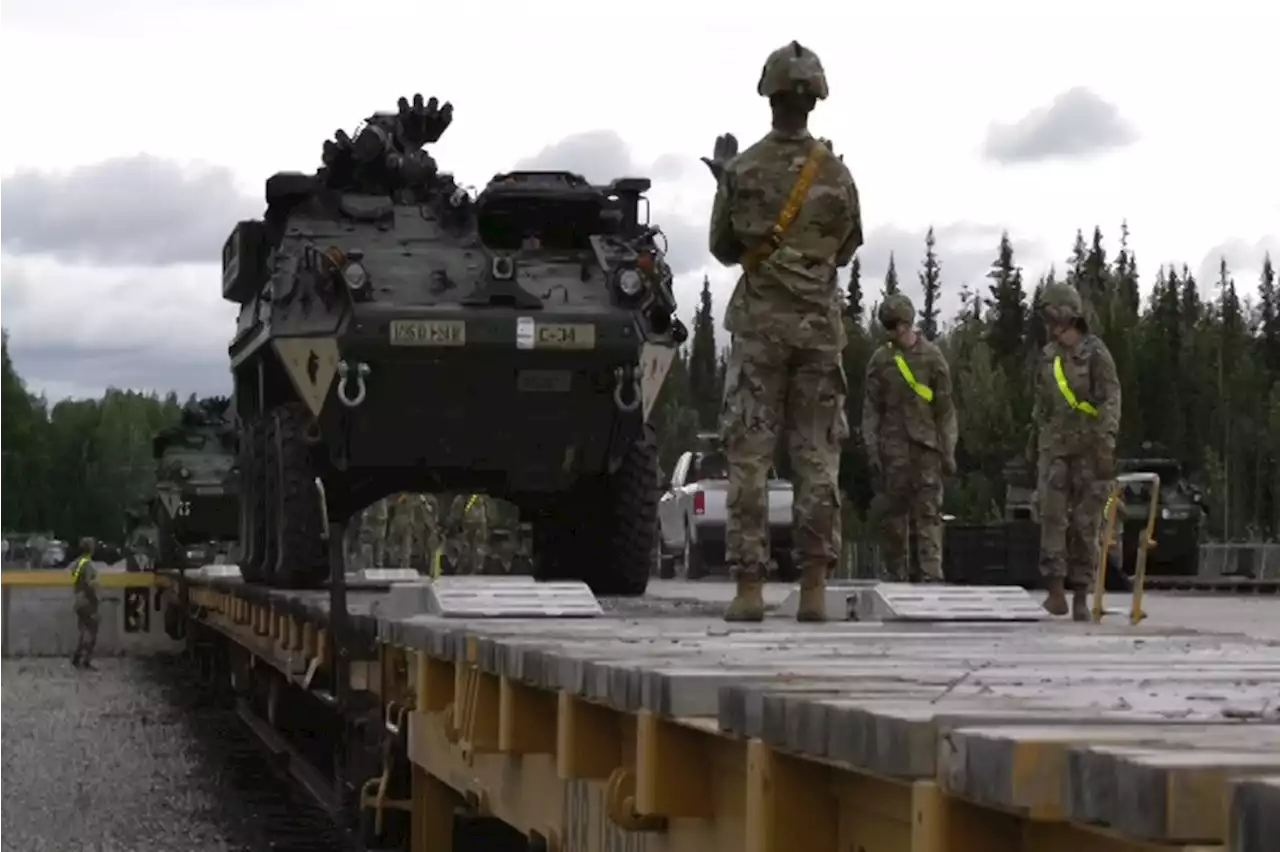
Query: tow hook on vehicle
{"x": 626, "y": 377}
{"x": 361, "y": 370}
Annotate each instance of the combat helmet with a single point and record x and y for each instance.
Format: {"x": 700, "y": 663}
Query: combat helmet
{"x": 896, "y": 308}
{"x": 1060, "y": 303}
{"x": 794, "y": 68}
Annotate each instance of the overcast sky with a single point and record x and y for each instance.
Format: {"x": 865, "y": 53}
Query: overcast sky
{"x": 136, "y": 135}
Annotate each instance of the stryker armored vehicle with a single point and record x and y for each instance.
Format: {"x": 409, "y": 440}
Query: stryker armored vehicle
{"x": 398, "y": 334}
{"x": 196, "y": 506}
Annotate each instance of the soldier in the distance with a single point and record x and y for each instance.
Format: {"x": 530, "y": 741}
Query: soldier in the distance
{"x": 84, "y": 581}
{"x": 1077, "y": 419}
{"x": 909, "y": 431}
{"x": 787, "y": 210}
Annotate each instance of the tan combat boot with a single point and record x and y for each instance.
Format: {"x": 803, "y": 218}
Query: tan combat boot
{"x": 1056, "y": 601}
{"x": 748, "y": 602}
{"x": 1080, "y": 605}
{"x": 813, "y": 595}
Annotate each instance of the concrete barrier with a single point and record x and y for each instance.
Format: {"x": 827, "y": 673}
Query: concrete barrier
{"x": 37, "y": 619}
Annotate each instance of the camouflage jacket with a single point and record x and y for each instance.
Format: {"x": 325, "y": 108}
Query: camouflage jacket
{"x": 895, "y": 415}
{"x": 792, "y": 296}
{"x": 1089, "y": 373}
{"x": 84, "y": 579}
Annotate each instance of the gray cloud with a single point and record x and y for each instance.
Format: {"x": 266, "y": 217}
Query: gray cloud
{"x": 76, "y": 330}
{"x": 1244, "y": 262}
{"x": 138, "y": 211}
{"x": 1075, "y": 124}
{"x": 602, "y": 156}
{"x": 965, "y": 252}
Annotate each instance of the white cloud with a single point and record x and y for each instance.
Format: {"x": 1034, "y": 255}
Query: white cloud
{"x": 914, "y": 89}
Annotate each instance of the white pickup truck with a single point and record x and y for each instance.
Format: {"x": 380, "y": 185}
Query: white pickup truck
{"x": 692, "y": 517}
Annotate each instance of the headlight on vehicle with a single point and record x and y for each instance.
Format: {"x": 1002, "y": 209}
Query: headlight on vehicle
{"x": 355, "y": 276}
{"x": 630, "y": 283}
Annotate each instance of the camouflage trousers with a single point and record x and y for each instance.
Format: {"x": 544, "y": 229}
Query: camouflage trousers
{"x": 406, "y": 544}
{"x": 772, "y": 390}
{"x": 1071, "y": 502}
{"x": 87, "y": 629}
{"x": 910, "y": 494}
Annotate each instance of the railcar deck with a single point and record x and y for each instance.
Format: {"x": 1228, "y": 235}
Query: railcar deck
{"x": 685, "y": 733}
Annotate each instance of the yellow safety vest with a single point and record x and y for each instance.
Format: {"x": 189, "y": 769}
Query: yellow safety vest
{"x": 924, "y": 391}
{"x": 79, "y": 569}
{"x": 1067, "y": 393}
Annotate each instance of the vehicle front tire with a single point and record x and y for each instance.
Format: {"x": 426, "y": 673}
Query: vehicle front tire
{"x": 301, "y": 555}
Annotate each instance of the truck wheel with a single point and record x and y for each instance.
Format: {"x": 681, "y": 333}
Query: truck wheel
{"x": 300, "y": 552}
{"x": 695, "y": 560}
{"x": 603, "y": 532}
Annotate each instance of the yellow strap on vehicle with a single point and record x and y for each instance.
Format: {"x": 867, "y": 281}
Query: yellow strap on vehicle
{"x": 435, "y": 562}
{"x": 1067, "y": 393}
{"x": 772, "y": 240}
{"x": 925, "y": 392}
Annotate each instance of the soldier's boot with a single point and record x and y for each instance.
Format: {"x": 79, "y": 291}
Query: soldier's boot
{"x": 1056, "y": 601}
{"x": 813, "y": 595}
{"x": 1080, "y": 605}
{"x": 748, "y": 602}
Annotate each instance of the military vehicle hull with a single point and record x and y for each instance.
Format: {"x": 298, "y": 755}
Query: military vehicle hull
{"x": 396, "y": 335}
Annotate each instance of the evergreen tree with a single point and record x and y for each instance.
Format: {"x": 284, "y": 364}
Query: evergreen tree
{"x": 1076, "y": 262}
{"x": 931, "y": 283}
{"x": 1128, "y": 295}
{"x": 702, "y": 361}
{"x": 853, "y": 294}
{"x": 1269, "y": 317}
{"x": 1007, "y": 304}
{"x": 891, "y": 277}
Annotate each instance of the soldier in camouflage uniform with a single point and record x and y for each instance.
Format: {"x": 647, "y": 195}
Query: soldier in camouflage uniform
{"x": 1077, "y": 419}
{"x": 787, "y": 210}
{"x": 909, "y": 431}
{"x": 84, "y": 581}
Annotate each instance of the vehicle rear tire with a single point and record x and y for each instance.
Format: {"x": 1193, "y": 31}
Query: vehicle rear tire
{"x": 603, "y": 533}
{"x": 301, "y": 555}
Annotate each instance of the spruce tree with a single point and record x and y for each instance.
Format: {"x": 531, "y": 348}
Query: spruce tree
{"x": 931, "y": 283}
{"x": 853, "y": 293}
{"x": 1269, "y": 318}
{"x": 891, "y": 277}
{"x": 1007, "y": 303}
{"x": 1126, "y": 276}
{"x": 702, "y": 361}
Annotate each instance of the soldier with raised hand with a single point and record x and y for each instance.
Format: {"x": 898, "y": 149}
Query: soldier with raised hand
{"x": 909, "y": 431}
{"x": 1077, "y": 419}
{"x": 787, "y": 210}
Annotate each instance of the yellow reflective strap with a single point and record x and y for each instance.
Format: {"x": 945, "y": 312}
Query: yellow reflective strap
{"x": 1067, "y": 393}
{"x": 925, "y": 392}
{"x": 471, "y": 502}
{"x": 79, "y": 569}
{"x": 771, "y": 241}
{"x": 435, "y": 563}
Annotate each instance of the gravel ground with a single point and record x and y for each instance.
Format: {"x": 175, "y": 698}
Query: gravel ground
{"x": 134, "y": 758}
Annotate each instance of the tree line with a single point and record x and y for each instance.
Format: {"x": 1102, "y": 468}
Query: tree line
{"x": 75, "y": 467}
{"x": 1199, "y": 365}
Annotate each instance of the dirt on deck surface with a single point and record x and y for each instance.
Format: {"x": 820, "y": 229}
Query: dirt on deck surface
{"x": 134, "y": 757}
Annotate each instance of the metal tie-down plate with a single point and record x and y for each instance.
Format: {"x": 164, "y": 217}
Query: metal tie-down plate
{"x": 872, "y": 600}
{"x": 491, "y": 597}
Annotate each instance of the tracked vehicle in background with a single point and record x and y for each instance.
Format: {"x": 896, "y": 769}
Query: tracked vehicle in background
{"x": 196, "y": 505}
{"x": 398, "y": 334}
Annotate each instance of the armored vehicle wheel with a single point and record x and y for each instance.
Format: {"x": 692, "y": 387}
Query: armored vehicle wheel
{"x": 253, "y": 503}
{"x": 300, "y": 559}
{"x": 604, "y": 533}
